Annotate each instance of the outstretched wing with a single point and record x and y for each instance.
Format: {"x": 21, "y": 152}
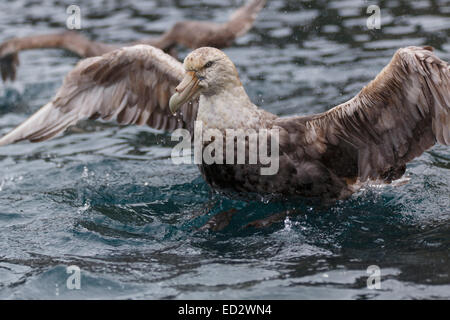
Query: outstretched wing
{"x": 242, "y": 19}
{"x": 192, "y": 34}
{"x": 68, "y": 40}
{"x": 196, "y": 34}
{"x": 392, "y": 120}
{"x": 132, "y": 85}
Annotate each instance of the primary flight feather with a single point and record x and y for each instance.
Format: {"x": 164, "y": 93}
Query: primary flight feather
{"x": 401, "y": 113}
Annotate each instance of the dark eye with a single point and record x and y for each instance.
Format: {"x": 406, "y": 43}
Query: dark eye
{"x": 208, "y": 64}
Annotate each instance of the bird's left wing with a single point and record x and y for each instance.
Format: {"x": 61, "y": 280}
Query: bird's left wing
{"x": 392, "y": 120}
{"x": 131, "y": 85}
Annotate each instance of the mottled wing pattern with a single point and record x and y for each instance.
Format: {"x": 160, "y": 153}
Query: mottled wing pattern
{"x": 392, "y": 120}
{"x": 132, "y": 85}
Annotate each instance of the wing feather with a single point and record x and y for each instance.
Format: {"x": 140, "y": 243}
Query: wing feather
{"x": 392, "y": 120}
{"x": 131, "y": 85}
{"x": 242, "y": 20}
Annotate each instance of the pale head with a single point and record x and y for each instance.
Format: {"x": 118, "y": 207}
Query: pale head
{"x": 208, "y": 71}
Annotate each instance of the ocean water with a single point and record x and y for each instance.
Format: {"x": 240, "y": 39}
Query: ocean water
{"x": 109, "y": 200}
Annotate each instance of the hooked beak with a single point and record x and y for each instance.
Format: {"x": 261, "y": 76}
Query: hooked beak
{"x": 185, "y": 91}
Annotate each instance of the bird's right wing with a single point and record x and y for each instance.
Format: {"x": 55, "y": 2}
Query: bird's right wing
{"x": 69, "y": 40}
{"x": 131, "y": 85}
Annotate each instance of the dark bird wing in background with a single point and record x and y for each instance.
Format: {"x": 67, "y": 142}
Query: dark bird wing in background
{"x": 131, "y": 85}
{"x": 196, "y": 34}
{"x": 192, "y": 34}
{"x": 69, "y": 40}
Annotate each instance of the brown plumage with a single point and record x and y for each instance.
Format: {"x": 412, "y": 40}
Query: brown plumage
{"x": 392, "y": 120}
{"x": 191, "y": 34}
